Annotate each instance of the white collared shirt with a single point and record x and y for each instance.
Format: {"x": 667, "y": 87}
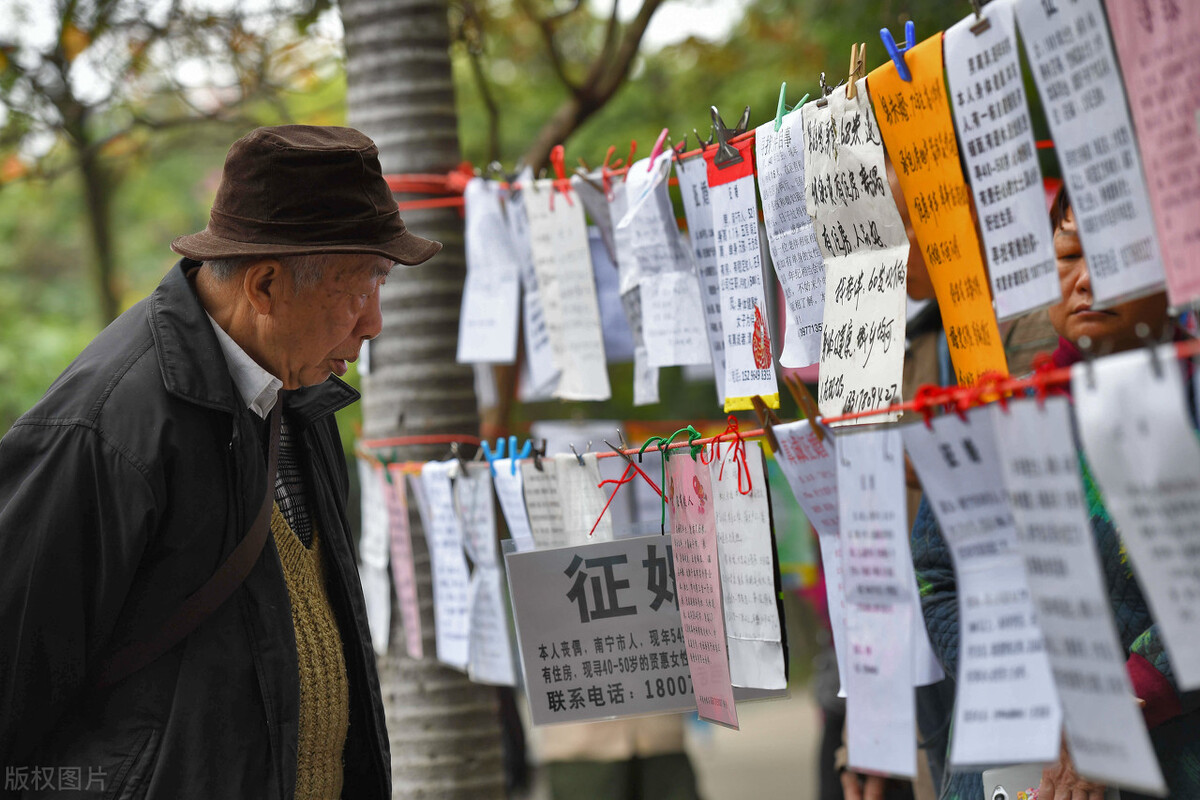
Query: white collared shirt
{"x": 259, "y": 389}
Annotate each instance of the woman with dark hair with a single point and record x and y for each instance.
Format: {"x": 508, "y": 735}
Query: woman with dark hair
{"x": 1170, "y": 714}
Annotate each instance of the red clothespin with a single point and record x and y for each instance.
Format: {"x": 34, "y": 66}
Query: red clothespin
{"x": 561, "y": 182}
{"x": 606, "y": 172}
{"x": 654, "y": 151}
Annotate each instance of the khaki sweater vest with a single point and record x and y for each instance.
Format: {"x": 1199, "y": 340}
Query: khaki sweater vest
{"x": 324, "y": 689}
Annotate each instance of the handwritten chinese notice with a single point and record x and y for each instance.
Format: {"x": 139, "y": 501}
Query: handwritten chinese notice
{"x": 511, "y": 494}
{"x": 698, "y": 582}
{"x": 599, "y": 631}
{"x": 563, "y": 262}
{"x": 490, "y": 651}
{"x": 991, "y": 115}
{"x": 581, "y": 500}
{"x": 539, "y": 355}
{"x": 749, "y": 363}
{"x": 443, "y": 532}
{"x": 748, "y": 569}
{"x": 542, "y": 504}
{"x": 862, "y": 239}
{"x": 697, "y": 209}
{"x": 404, "y": 574}
{"x": 914, "y": 118}
{"x": 1159, "y": 46}
{"x": 645, "y": 377}
{"x": 793, "y": 241}
{"x": 487, "y": 326}
{"x": 1007, "y": 709}
{"x": 1140, "y": 445}
{"x": 1072, "y": 61}
{"x": 1105, "y": 729}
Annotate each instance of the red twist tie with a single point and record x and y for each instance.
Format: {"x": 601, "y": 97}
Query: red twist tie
{"x": 990, "y": 383}
{"x": 1043, "y": 365}
{"x": 926, "y": 399}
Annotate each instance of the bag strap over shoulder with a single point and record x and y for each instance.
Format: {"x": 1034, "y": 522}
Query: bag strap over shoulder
{"x": 198, "y": 606}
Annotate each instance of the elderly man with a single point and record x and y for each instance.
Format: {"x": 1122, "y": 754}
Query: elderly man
{"x": 180, "y": 614}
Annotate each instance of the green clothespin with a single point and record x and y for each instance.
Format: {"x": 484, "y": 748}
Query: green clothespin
{"x": 783, "y": 108}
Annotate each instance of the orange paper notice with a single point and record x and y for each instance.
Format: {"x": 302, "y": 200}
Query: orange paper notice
{"x": 919, "y": 135}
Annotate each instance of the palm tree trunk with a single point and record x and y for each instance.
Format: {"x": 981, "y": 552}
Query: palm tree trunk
{"x": 444, "y": 730}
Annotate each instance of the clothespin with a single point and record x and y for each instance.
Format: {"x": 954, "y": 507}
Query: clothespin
{"x": 1142, "y": 331}
{"x": 490, "y": 455}
{"x": 584, "y": 164}
{"x": 981, "y": 22}
{"x": 766, "y": 420}
{"x": 605, "y": 175}
{"x": 457, "y": 453}
{"x": 781, "y": 108}
{"x": 629, "y": 163}
{"x": 858, "y": 68}
{"x": 578, "y": 457}
{"x": 514, "y": 455}
{"x": 561, "y": 182}
{"x": 681, "y": 147}
{"x": 897, "y": 53}
{"x": 538, "y": 454}
{"x": 701, "y": 143}
{"x": 806, "y": 402}
{"x": 727, "y": 154}
{"x": 826, "y": 90}
{"x": 656, "y": 150}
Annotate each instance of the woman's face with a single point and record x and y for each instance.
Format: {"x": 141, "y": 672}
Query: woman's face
{"x": 1111, "y": 329}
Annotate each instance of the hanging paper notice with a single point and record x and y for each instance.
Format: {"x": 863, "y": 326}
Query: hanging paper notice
{"x": 487, "y": 325}
{"x": 562, "y": 261}
{"x": 542, "y": 503}
{"x": 1105, "y": 729}
{"x": 674, "y": 328}
{"x": 581, "y": 501}
{"x": 865, "y": 248}
{"x": 590, "y": 190}
{"x": 749, "y": 365}
{"x": 490, "y": 652}
{"x": 697, "y": 208}
{"x": 618, "y": 336}
{"x": 748, "y": 570}
{"x": 1139, "y": 442}
{"x": 645, "y": 377}
{"x": 373, "y": 556}
{"x": 991, "y": 115}
{"x": 698, "y": 582}
{"x": 1073, "y": 65}
{"x": 599, "y": 631}
{"x": 1159, "y": 48}
{"x": 539, "y": 355}
{"x": 404, "y": 574}
{"x": 914, "y": 118}
{"x": 510, "y": 493}
{"x": 443, "y": 532}
{"x": 1007, "y": 709}
{"x": 880, "y": 703}
{"x": 794, "y": 249}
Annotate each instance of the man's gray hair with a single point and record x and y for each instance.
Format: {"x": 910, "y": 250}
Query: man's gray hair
{"x": 307, "y": 270}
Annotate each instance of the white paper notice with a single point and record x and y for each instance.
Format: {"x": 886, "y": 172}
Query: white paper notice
{"x": 487, "y": 325}
{"x": 618, "y": 335}
{"x": 490, "y": 652}
{"x": 881, "y": 706}
{"x": 673, "y": 321}
{"x": 865, "y": 247}
{"x": 645, "y": 377}
{"x": 1145, "y": 458}
{"x": 1007, "y": 709}
{"x": 1071, "y": 57}
{"x": 539, "y": 355}
{"x": 443, "y": 532}
{"x": 697, "y": 208}
{"x": 1105, "y": 729}
{"x": 991, "y": 115}
{"x": 373, "y": 545}
{"x": 747, "y": 559}
{"x": 581, "y": 501}
{"x": 404, "y": 573}
{"x": 377, "y": 596}
{"x": 749, "y": 363}
{"x": 595, "y": 201}
{"x": 510, "y": 492}
{"x": 542, "y": 504}
{"x": 563, "y": 263}
{"x": 794, "y": 249}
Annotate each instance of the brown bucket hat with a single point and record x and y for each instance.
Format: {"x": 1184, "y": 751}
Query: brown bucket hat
{"x": 300, "y": 190}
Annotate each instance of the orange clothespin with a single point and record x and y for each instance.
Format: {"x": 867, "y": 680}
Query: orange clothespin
{"x": 606, "y": 172}
{"x": 561, "y": 182}
{"x": 767, "y": 420}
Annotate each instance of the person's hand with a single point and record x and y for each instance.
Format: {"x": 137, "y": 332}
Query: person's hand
{"x": 1061, "y": 782}
{"x": 862, "y": 787}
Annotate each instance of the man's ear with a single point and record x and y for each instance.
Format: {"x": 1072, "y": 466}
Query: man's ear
{"x": 261, "y": 283}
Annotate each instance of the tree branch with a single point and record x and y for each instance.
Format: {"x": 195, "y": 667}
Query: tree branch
{"x": 546, "y": 27}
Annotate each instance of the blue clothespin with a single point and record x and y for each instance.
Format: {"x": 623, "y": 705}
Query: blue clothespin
{"x": 897, "y": 53}
{"x": 490, "y": 456}
{"x": 512, "y": 448}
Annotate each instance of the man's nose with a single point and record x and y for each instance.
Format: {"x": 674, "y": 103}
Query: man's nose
{"x": 370, "y": 322}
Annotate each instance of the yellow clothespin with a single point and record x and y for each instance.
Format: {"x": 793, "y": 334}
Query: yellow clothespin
{"x": 806, "y": 402}
{"x": 766, "y": 420}
{"x": 858, "y": 68}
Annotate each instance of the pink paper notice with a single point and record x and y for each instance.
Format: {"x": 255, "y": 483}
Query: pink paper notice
{"x": 1159, "y": 48}
{"x": 698, "y": 584}
{"x": 404, "y": 576}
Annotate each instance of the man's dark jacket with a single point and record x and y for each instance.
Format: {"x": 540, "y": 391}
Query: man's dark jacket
{"x": 121, "y": 492}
